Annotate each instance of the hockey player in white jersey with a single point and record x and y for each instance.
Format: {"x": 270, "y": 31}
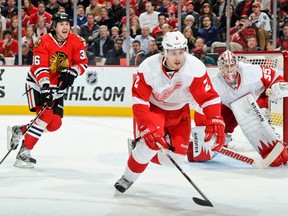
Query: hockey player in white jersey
{"x": 165, "y": 85}
{"x": 242, "y": 89}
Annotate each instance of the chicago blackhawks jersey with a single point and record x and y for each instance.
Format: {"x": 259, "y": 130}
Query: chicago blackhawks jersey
{"x": 50, "y": 58}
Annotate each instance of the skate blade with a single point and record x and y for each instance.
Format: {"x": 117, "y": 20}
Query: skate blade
{"x": 117, "y": 193}
{"x": 23, "y": 164}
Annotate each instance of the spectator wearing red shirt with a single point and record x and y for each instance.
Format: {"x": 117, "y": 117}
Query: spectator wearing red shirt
{"x": 8, "y": 46}
{"x": 41, "y": 13}
{"x": 29, "y": 8}
{"x": 25, "y": 18}
{"x": 9, "y": 11}
{"x": 282, "y": 42}
{"x": 172, "y": 20}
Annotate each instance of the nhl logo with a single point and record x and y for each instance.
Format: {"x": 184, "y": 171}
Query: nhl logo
{"x": 91, "y": 77}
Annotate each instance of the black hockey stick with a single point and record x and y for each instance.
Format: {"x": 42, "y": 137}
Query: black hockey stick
{"x": 28, "y": 127}
{"x": 202, "y": 202}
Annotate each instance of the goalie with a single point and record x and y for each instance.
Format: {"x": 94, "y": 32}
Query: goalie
{"x": 243, "y": 91}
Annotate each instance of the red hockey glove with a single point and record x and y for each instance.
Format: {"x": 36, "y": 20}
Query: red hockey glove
{"x": 215, "y": 127}
{"x": 152, "y": 135}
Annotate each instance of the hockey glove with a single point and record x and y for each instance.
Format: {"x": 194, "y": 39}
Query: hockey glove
{"x": 151, "y": 136}
{"x": 215, "y": 127}
{"x": 46, "y": 96}
{"x": 66, "y": 77}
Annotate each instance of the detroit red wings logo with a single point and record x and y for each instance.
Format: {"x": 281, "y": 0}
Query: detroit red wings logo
{"x": 162, "y": 96}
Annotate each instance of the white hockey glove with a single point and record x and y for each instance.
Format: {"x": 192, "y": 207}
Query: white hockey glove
{"x": 279, "y": 90}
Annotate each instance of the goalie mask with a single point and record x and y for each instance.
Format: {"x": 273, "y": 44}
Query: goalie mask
{"x": 228, "y": 65}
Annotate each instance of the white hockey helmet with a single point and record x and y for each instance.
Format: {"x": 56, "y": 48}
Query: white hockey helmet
{"x": 228, "y": 65}
{"x": 174, "y": 40}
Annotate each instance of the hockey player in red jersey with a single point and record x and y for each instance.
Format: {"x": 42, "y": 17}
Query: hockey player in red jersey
{"x": 165, "y": 85}
{"x": 59, "y": 57}
{"x": 243, "y": 91}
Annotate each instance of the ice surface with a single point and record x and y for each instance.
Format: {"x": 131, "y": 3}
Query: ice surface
{"x": 78, "y": 165}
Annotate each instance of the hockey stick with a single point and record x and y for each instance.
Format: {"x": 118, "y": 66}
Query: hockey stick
{"x": 202, "y": 202}
{"x": 255, "y": 162}
{"x": 28, "y": 127}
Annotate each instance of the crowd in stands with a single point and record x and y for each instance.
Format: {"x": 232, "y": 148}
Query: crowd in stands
{"x": 102, "y": 23}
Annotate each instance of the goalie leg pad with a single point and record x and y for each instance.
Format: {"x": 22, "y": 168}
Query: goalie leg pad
{"x": 198, "y": 149}
{"x": 254, "y": 125}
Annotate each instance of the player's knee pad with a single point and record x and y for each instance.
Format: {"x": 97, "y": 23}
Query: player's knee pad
{"x": 55, "y": 124}
{"x": 199, "y": 150}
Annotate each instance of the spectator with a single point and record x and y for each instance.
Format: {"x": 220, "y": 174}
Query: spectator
{"x": 27, "y": 55}
{"x": 8, "y": 46}
{"x": 29, "y": 8}
{"x": 269, "y": 45}
{"x": 9, "y": 11}
{"x": 207, "y": 60}
{"x": 282, "y": 42}
{"x": 153, "y": 49}
{"x": 207, "y": 10}
{"x": 219, "y": 9}
{"x": 126, "y": 45}
{"x": 208, "y": 32}
{"x": 252, "y": 44}
{"x": 52, "y": 7}
{"x": 282, "y": 13}
{"x": 132, "y": 13}
{"x": 198, "y": 5}
{"x": 114, "y": 55}
{"x": 189, "y": 21}
{"x": 144, "y": 38}
{"x": 25, "y": 18}
{"x": 150, "y": 17}
{"x": 2, "y": 59}
{"x": 165, "y": 28}
{"x": 93, "y": 8}
{"x": 261, "y": 22}
{"x": 41, "y": 28}
{"x": 81, "y": 16}
{"x": 138, "y": 55}
{"x": 117, "y": 12}
{"x": 14, "y": 28}
{"x": 90, "y": 30}
{"x": 101, "y": 45}
{"x": 172, "y": 20}
{"x": 30, "y": 38}
{"x": 188, "y": 33}
{"x": 223, "y": 22}
{"x": 104, "y": 19}
{"x": 114, "y": 33}
{"x": 190, "y": 11}
{"x": 244, "y": 8}
{"x": 41, "y": 14}
{"x": 3, "y": 23}
{"x": 106, "y": 3}
{"x": 158, "y": 29}
{"x": 265, "y": 6}
{"x": 164, "y": 6}
{"x": 135, "y": 27}
{"x": 200, "y": 44}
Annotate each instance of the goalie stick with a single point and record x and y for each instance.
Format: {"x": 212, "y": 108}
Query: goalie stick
{"x": 255, "y": 162}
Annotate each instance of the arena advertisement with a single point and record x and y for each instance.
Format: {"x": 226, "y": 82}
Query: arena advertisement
{"x": 100, "y": 91}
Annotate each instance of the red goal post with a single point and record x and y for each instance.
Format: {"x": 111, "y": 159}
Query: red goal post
{"x": 277, "y": 60}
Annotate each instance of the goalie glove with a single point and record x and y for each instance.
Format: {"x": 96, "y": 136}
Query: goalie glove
{"x": 151, "y": 135}
{"x": 215, "y": 127}
{"x": 279, "y": 90}
{"x": 66, "y": 77}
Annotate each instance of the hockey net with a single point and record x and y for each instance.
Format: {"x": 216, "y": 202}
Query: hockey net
{"x": 277, "y": 60}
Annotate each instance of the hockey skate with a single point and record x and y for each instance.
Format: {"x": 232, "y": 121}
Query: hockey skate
{"x": 14, "y": 135}
{"x": 24, "y": 159}
{"x": 122, "y": 184}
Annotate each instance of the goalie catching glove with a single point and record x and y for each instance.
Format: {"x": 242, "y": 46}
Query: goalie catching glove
{"x": 66, "y": 77}
{"x": 151, "y": 135}
{"x": 46, "y": 95}
{"x": 215, "y": 127}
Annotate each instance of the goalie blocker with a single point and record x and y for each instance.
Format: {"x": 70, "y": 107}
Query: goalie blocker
{"x": 254, "y": 126}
